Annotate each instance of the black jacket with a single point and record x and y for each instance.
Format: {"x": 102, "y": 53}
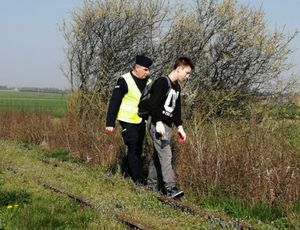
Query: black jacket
{"x": 165, "y": 103}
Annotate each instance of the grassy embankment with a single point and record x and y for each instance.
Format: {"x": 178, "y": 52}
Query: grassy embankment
{"x": 25, "y": 204}
{"x": 275, "y": 217}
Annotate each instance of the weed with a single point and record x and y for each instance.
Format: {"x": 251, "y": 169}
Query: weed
{"x": 263, "y": 212}
{"x": 25, "y": 144}
{"x": 282, "y": 223}
{"x": 241, "y": 209}
{"x": 62, "y": 155}
{"x": 285, "y": 111}
{"x": 39, "y": 208}
{"x": 14, "y": 197}
{"x": 296, "y": 207}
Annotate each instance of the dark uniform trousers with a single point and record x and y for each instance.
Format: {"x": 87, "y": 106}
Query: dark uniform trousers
{"x": 133, "y": 136}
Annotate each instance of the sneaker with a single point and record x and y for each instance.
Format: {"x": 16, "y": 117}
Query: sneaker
{"x": 174, "y": 193}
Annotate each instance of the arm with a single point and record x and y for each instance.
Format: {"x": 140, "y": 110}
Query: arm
{"x": 158, "y": 96}
{"x": 119, "y": 91}
{"x": 178, "y": 121}
{"x": 177, "y": 112}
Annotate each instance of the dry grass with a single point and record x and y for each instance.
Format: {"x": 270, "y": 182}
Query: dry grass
{"x": 249, "y": 160}
{"x": 71, "y": 133}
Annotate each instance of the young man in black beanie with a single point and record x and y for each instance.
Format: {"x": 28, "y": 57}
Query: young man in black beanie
{"x": 123, "y": 106}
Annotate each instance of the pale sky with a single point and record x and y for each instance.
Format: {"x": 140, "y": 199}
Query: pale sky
{"x": 31, "y": 45}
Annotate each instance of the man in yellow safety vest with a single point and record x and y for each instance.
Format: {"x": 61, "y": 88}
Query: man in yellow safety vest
{"x": 123, "y": 106}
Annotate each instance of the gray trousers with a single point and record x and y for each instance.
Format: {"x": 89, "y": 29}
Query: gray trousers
{"x": 160, "y": 166}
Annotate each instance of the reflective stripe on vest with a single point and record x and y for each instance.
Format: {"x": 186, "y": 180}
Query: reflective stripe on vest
{"x": 129, "y": 105}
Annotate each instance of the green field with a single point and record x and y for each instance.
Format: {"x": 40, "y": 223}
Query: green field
{"x": 54, "y": 103}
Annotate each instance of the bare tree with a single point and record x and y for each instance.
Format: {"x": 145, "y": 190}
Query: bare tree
{"x": 106, "y": 35}
{"x": 102, "y": 41}
{"x": 235, "y": 55}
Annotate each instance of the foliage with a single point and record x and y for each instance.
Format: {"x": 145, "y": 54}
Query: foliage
{"x": 104, "y": 38}
{"x": 235, "y": 55}
{"x": 61, "y": 155}
{"x": 290, "y": 132}
{"x": 284, "y": 111}
{"x": 14, "y": 197}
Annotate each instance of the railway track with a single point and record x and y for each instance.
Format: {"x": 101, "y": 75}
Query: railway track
{"x": 129, "y": 221}
{"x": 217, "y": 220}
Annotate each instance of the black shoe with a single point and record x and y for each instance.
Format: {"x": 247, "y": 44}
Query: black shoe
{"x": 174, "y": 193}
{"x": 139, "y": 182}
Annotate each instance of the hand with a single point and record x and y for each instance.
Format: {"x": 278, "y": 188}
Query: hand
{"x": 160, "y": 128}
{"x": 109, "y": 130}
{"x": 181, "y": 133}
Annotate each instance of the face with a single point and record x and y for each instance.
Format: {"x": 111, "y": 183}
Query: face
{"x": 141, "y": 71}
{"x": 183, "y": 72}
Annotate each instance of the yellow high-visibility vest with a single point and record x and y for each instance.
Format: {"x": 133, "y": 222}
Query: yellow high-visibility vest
{"x": 129, "y": 105}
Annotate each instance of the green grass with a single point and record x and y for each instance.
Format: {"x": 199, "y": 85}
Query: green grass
{"x": 288, "y": 121}
{"x": 293, "y": 135}
{"x": 38, "y": 207}
{"x": 239, "y": 209}
{"x": 285, "y": 111}
{"x": 113, "y": 195}
{"x": 259, "y": 212}
{"x": 54, "y": 103}
{"x": 289, "y": 131}
{"x": 62, "y": 155}
{"x": 34, "y": 207}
